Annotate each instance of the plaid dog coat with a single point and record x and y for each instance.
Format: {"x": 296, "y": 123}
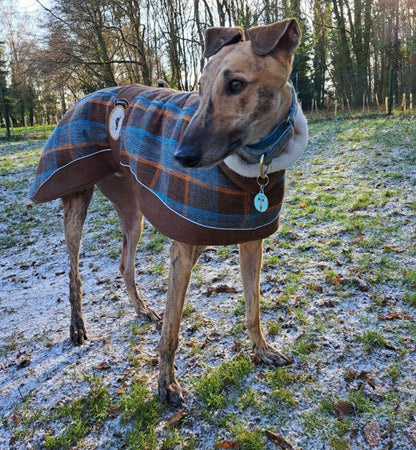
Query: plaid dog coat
{"x": 137, "y": 129}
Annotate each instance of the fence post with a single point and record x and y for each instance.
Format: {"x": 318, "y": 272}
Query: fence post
{"x": 5, "y": 112}
{"x": 391, "y": 91}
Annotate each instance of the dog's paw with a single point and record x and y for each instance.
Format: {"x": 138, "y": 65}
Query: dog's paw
{"x": 153, "y": 316}
{"x": 149, "y": 314}
{"x": 171, "y": 393}
{"x": 78, "y": 334}
{"x": 270, "y": 356}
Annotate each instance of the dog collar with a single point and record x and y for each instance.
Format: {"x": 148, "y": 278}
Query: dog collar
{"x": 270, "y": 146}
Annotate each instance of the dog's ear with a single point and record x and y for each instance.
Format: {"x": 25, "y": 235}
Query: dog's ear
{"x": 218, "y": 37}
{"x": 281, "y": 36}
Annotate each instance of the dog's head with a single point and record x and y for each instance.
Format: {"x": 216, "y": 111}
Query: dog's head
{"x": 244, "y": 91}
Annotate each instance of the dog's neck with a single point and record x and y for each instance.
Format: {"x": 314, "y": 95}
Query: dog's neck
{"x": 270, "y": 146}
{"x": 281, "y": 148}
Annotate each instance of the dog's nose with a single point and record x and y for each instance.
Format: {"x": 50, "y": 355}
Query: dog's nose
{"x": 187, "y": 156}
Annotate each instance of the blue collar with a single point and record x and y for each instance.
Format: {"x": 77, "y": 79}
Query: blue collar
{"x": 271, "y": 145}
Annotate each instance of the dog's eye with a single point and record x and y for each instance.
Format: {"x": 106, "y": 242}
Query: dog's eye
{"x": 235, "y": 86}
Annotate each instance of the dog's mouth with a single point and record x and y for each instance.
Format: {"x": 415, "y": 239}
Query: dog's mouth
{"x": 193, "y": 160}
{"x": 233, "y": 146}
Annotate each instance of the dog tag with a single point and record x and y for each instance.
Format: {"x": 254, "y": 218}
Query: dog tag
{"x": 260, "y": 202}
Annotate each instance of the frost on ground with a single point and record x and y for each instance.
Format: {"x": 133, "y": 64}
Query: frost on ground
{"x": 338, "y": 287}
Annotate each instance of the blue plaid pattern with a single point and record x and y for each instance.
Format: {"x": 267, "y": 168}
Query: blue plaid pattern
{"x": 154, "y": 123}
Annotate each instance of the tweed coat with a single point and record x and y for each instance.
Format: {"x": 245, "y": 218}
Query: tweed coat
{"x": 199, "y": 206}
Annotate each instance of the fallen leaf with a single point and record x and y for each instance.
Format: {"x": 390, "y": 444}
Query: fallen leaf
{"x": 16, "y": 419}
{"x": 351, "y": 374}
{"x": 329, "y": 303}
{"x": 393, "y": 248}
{"x": 220, "y": 289}
{"x": 344, "y": 408}
{"x": 390, "y": 316}
{"x": 228, "y": 444}
{"x": 278, "y": 440}
{"x": 363, "y": 285}
{"x": 236, "y": 347}
{"x": 336, "y": 280}
{"x": 104, "y": 365}
{"x": 411, "y": 435}
{"x": 177, "y": 418}
{"x": 24, "y": 362}
{"x": 372, "y": 433}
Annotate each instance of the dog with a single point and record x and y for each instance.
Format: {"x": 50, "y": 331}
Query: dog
{"x": 242, "y": 129}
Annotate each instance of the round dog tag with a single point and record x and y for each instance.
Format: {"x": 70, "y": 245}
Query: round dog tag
{"x": 260, "y": 202}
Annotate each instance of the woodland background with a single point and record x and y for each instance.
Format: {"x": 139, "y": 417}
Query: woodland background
{"x": 355, "y": 54}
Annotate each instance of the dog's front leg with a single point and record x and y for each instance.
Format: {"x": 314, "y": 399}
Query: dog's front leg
{"x": 183, "y": 257}
{"x": 251, "y": 257}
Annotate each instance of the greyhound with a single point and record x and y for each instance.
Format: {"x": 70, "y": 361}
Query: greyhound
{"x": 244, "y": 92}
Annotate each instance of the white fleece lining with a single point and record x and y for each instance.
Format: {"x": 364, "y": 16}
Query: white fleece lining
{"x": 290, "y": 154}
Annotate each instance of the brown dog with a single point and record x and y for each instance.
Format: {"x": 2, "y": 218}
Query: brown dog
{"x": 244, "y": 93}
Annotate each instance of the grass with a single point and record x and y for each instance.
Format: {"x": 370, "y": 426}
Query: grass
{"x": 140, "y": 412}
{"x": 29, "y": 132}
{"x": 247, "y": 439}
{"x": 338, "y": 294}
{"x": 213, "y": 387}
{"x": 372, "y": 340}
{"x": 79, "y": 417}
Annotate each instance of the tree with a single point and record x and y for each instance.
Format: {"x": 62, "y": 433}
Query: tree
{"x": 347, "y": 50}
{"x": 21, "y": 47}
{"x": 3, "y": 86}
{"x": 134, "y": 49}
{"x": 322, "y": 23}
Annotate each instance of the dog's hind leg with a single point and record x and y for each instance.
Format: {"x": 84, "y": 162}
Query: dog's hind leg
{"x": 183, "y": 257}
{"x": 251, "y": 257}
{"x": 75, "y": 212}
{"x": 122, "y": 192}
